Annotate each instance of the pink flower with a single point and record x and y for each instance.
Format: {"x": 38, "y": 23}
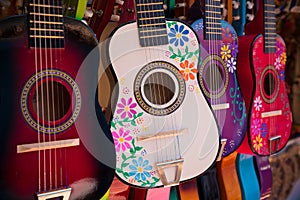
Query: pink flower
{"x": 122, "y": 139}
{"x": 126, "y": 108}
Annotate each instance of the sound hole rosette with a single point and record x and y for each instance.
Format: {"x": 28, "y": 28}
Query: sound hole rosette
{"x": 159, "y": 88}
{"x": 27, "y": 97}
{"x": 269, "y": 80}
{"x": 216, "y": 89}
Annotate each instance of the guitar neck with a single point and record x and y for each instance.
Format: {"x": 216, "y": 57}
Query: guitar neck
{"x": 46, "y": 24}
{"x": 269, "y": 27}
{"x": 212, "y": 20}
{"x": 151, "y": 23}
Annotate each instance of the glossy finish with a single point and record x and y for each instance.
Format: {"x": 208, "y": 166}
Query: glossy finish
{"x": 71, "y": 167}
{"x": 264, "y": 173}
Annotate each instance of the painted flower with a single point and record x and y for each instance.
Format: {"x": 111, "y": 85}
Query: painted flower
{"x": 257, "y": 142}
{"x": 283, "y": 58}
{"x": 226, "y": 35}
{"x": 122, "y": 139}
{"x": 188, "y": 71}
{"x": 264, "y": 130}
{"x": 281, "y": 74}
{"x": 231, "y": 64}
{"x": 278, "y": 63}
{"x": 225, "y": 52}
{"x": 140, "y": 169}
{"x": 255, "y": 126}
{"x": 233, "y": 48}
{"x": 126, "y": 108}
{"x": 178, "y": 35}
{"x": 257, "y": 103}
{"x": 280, "y": 48}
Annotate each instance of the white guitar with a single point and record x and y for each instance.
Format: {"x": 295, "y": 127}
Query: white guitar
{"x": 163, "y": 128}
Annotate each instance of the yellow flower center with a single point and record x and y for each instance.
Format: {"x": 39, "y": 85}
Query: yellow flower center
{"x": 187, "y": 70}
{"x": 121, "y": 140}
{"x": 178, "y": 35}
{"x": 140, "y": 169}
{"x": 126, "y": 108}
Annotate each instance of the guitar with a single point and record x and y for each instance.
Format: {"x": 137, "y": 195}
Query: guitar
{"x": 247, "y": 177}
{"x": 75, "y": 8}
{"x": 264, "y": 173}
{"x": 217, "y": 74}
{"x": 157, "y": 143}
{"x": 261, "y": 75}
{"x": 44, "y": 126}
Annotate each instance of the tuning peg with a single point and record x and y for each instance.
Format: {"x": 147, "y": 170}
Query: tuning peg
{"x": 250, "y": 17}
{"x": 180, "y": 5}
{"x": 235, "y": 4}
{"x": 250, "y": 5}
{"x": 236, "y": 18}
{"x": 115, "y": 18}
{"x": 120, "y": 2}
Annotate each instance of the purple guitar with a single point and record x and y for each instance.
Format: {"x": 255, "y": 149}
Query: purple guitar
{"x": 264, "y": 173}
{"x": 217, "y": 74}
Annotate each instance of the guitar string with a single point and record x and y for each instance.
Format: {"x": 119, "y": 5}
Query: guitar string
{"x": 37, "y": 92}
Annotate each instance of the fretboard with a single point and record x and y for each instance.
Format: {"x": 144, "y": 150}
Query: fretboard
{"x": 151, "y": 23}
{"x": 212, "y": 20}
{"x": 46, "y": 24}
{"x": 269, "y": 27}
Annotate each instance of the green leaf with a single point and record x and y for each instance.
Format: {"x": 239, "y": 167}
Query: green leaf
{"x": 182, "y": 58}
{"x": 113, "y": 125}
{"x": 189, "y": 55}
{"x": 119, "y": 170}
{"x": 124, "y": 165}
{"x": 125, "y": 174}
{"x": 138, "y": 148}
{"x": 139, "y": 114}
{"x": 173, "y": 56}
{"x": 197, "y": 52}
{"x": 155, "y": 179}
{"x": 123, "y": 156}
{"x": 179, "y": 52}
{"x": 186, "y": 49}
{"x": 133, "y": 141}
{"x": 133, "y": 123}
{"x": 131, "y": 150}
{"x": 121, "y": 123}
{"x": 171, "y": 49}
{"x": 126, "y": 119}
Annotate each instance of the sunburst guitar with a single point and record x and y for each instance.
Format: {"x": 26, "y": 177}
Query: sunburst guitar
{"x": 163, "y": 128}
{"x": 43, "y": 154}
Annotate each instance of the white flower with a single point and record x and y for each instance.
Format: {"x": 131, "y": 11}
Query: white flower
{"x": 231, "y": 64}
{"x": 278, "y": 63}
{"x": 257, "y": 103}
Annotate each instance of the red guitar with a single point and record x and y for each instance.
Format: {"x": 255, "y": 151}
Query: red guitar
{"x": 43, "y": 155}
{"x": 261, "y": 62}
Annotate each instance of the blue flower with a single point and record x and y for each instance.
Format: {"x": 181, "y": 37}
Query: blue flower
{"x": 281, "y": 74}
{"x": 178, "y": 35}
{"x": 140, "y": 169}
{"x": 264, "y": 130}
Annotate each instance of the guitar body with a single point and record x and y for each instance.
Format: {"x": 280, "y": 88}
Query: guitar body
{"x": 228, "y": 180}
{"x": 247, "y": 177}
{"x": 220, "y": 84}
{"x": 27, "y": 170}
{"x": 265, "y": 177}
{"x": 183, "y": 126}
{"x": 268, "y": 108}
{"x": 208, "y": 184}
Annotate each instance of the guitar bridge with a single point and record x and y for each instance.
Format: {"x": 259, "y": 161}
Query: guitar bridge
{"x": 166, "y": 178}
{"x": 62, "y": 194}
{"x": 274, "y": 140}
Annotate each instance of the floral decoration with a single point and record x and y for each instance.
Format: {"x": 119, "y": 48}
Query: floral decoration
{"x": 126, "y": 108}
{"x": 233, "y": 48}
{"x": 277, "y": 63}
{"x": 257, "y": 103}
{"x": 231, "y": 64}
{"x": 257, "y": 142}
{"x": 121, "y": 139}
{"x": 188, "y": 70}
{"x": 178, "y": 35}
{"x": 225, "y": 52}
{"x": 256, "y": 126}
{"x": 140, "y": 169}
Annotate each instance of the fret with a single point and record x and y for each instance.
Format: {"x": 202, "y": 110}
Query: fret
{"x": 152, "y": 30}
{"x": 46, "y": 29}
{"x": 45, "y": 22}
{"x": 46, "y": 14}
{"x": 156, "y": 24}
{"x": 214, "y": 32}
{"x": 46, "y": 36}
{"x": 149, "y": 18}
{"x": 150, "y": 11}
{"x": 149, "y": 4}
{"x": 214, "y": 18}
{"x": 211, "y": 11}
{"x": 45, "y": 6}
{"x": 152, "y": 36}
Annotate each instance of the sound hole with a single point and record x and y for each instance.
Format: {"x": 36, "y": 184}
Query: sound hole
{"x": 269, "y": 84}
{"x": 51, "y": 101}
{"x": 159, "y": 88}
{"x": 214, "y": 77}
